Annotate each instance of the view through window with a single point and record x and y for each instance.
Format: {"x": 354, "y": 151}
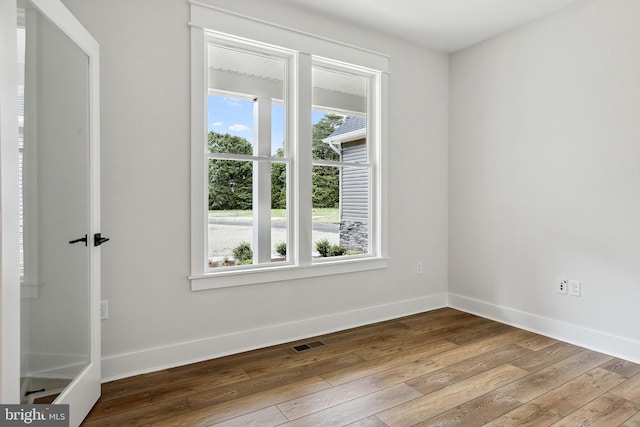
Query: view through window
{"x": 289, "y": 183}
{"x": 249, "y": 158}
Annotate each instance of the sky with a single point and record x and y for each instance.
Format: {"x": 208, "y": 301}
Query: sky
{"x": 235, "y": 116}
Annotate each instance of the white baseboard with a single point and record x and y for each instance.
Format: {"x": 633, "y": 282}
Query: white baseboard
{"x": 621, "y": 347}
{"x": 53, "y": 365}
{"x": 153, "y": 359}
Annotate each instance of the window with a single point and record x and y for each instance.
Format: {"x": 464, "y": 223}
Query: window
{"x": 287, "y": 153}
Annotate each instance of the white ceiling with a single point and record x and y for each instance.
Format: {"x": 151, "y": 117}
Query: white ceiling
{"x": 446, "y": 25}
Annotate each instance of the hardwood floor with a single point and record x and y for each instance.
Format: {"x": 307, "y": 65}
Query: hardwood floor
{"x": 444, "y": 367}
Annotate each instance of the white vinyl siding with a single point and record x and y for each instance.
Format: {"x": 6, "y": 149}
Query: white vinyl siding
{"x": 354, "y": 200}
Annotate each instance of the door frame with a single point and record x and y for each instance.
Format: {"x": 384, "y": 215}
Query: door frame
{"x": 9, "y": 216}
{"x": 82, "y": 393}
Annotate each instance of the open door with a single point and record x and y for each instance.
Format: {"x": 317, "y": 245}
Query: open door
{"x": 60, "y": 224}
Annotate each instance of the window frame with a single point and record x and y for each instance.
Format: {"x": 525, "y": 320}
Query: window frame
{"x": 306, "y": 50}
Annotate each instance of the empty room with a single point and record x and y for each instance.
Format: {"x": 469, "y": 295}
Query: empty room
{"x": 306, "y": 213}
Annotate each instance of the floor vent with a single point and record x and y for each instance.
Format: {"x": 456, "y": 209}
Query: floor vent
{"x": 307, "y": 346}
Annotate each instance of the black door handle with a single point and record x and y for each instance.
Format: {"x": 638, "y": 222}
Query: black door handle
{"x": 82, "y": 239}
{"x": 98, "y": 239}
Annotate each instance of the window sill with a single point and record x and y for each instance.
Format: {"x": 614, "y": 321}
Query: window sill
{"x": 268, "y": 274}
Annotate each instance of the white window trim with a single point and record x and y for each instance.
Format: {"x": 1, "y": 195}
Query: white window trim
{"x": 204, "y": 19}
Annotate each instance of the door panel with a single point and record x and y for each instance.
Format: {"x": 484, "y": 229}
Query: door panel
{"x": 56, "y": 194}
{"x": 60, "y": 188}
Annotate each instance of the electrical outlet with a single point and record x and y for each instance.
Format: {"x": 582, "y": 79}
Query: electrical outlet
{"x": 561, "y": 285}
{"x": 574, "y": 288}
{"x": 419, "y": 267}
{"x": 104, "y": 309}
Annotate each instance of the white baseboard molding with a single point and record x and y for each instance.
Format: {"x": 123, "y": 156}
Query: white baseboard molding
{"x": 613, "y": 345}
{"x": 154, "y": 359}
{"x": 53, "y": 365}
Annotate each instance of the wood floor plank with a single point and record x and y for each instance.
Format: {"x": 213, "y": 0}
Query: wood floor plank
{"x": 606, "y": 411}
{"x": 315, "y": 402}
{"x": 475, "y": 412}
{"x": 255, "y": 385}
{"x": 547, "y": 356}
{"x": 634, "y": 421}
{"x": 527, "y": 415}
{"x": 432, "y": 404}
{"x": 360, "y": 334}
{"x": 481, "y": 333}
{"x": 372, "y": 421}
{"x": 561, "y": 401}
{"x": 370, "y": 367}
{"x": 466, "y": 368}
{"x": 173, "y": 380}
{"x": 147, "y": 393}
{"x": 268, "y": 417}
{"x": 547, "y": 379}
{"x": 468, "y": 350}
{"x": 141, "y": 415}
{"x": 629, "y": 389}
{"x": 247, "y": 404}
{"x": 225, "y": 368}
{"x": 358, "y": 409}
{"x": 537, "y": 342}
{"x": 382, "y": 348}
{"x": 494, "y": 404}
{"x": 623, "y": 367}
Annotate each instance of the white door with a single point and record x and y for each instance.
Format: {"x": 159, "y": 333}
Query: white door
{"x": 60, "y": 324}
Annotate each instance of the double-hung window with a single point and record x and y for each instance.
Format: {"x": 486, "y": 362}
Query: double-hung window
{"x": 288, "y": 153}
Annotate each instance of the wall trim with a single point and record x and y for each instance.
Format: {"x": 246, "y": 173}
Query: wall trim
{"x": 153, "y": 359}
{"x": 613, "y": 345}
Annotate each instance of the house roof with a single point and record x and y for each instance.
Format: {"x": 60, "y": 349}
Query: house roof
{"x": 354, "y": 127}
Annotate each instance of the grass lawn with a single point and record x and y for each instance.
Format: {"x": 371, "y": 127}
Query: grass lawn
{"x": 322, "y": 215}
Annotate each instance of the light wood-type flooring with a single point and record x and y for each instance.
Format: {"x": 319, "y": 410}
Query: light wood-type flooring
{"x": 440, "y": 368}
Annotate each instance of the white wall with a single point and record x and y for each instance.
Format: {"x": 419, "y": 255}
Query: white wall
{"x": 544, "y": 173}
{"x": 155, "y": 320}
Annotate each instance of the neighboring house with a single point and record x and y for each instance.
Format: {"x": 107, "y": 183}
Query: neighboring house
{"x": 350, "y": 141}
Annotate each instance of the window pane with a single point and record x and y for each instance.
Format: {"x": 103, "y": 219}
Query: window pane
{"x": 277, "y": 130}
{"x": 340, "y": 210}
{"x": 279, "y": 220}
{"x": 340, "y": 193}
{"x": 326, "y": 202}
{"x": 326, "y": 125}
{"x": 339, "y": 102}
{"x": 230, "y": 211}
{"x": 232, "y": 219}
{"x": 230, "y": 124}
{"x": 354, "y": 208}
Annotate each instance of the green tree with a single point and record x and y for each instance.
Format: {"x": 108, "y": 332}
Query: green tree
{"x": 279, "y": 183}
{"x": 230, "y": 181}
{"x": 325, "y": 127}
{"x": 325, "y": 179}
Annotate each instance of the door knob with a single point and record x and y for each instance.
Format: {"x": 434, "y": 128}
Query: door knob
{"x": 98, "y": 239}
{"x": 82, "y": 239}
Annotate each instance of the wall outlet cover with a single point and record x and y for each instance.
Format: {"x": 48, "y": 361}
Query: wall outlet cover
{"x": 574, "y": 288}
{"x": 561, "y": 285}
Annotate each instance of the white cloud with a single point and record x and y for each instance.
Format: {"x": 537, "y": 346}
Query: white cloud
{"x": 238, "y": 128}
{"x": 216, "y": 124}
{"x": 231, "y": 102}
